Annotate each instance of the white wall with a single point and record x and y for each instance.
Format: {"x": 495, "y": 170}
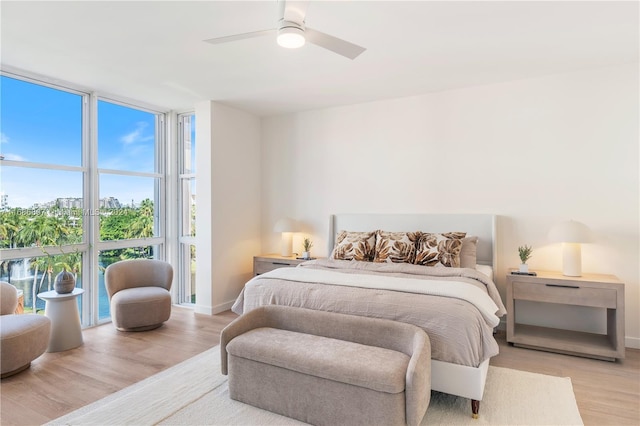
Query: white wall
{"x": 228, "y": 203}
{"x": 533, "y": 151}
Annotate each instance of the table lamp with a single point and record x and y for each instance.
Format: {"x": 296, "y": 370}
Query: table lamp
{"x": 287, "y": 227}
{"x": 571, "y": 234}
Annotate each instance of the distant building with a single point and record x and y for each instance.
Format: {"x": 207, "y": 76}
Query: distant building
{"x": 68, "y": 203}
{"x": 4, "y": 201}
{"x": 44, "y": 206}
{"x": 110, "y": 203}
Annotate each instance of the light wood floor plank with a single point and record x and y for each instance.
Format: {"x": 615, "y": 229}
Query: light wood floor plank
{"x": 608, "y": 393}
{"x": 58, "y": 383}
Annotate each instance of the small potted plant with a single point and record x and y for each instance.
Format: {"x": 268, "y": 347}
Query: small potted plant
{"x": 306, "y": 245}
{"x": 524, "y": 252}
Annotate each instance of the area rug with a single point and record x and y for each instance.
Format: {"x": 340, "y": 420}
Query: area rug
{"x": 196, "y": 393}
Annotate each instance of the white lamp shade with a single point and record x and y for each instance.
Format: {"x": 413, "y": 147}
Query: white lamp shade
{"x": 287, "y": 227}
{"x": 570, "y": 232}
{"x": 286, "y": 224}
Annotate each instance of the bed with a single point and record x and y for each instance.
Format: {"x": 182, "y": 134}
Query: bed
{"x": 458, "y": 307}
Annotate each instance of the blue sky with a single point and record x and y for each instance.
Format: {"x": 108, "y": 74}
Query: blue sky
{"x": 43, "y": 125}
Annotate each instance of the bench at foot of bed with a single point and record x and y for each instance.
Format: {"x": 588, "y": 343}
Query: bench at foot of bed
{"x": 328, "y": 368}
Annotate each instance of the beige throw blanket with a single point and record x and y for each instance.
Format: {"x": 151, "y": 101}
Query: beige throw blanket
{"x": 456, "y": 289}
{"x": 470, "y": 276}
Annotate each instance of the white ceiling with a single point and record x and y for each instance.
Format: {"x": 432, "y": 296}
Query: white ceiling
{"x": 153, "y": 51}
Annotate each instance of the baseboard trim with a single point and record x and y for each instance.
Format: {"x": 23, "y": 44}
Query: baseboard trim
{"x": 213, "y": 310}
{"x": 222, "y": 307}
{"x": 205, "y": 310}
{"x": 632, "y": 342}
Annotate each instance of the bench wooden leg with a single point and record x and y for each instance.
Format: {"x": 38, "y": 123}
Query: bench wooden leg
{"x": 475, "y": 408}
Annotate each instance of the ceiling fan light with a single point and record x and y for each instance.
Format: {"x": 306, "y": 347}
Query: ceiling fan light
{"x": 291, "y": 37}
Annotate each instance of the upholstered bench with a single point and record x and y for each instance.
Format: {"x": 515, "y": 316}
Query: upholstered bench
{"x": 327, "y": 368}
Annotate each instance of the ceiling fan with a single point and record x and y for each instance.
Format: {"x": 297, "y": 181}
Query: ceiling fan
{"x": 292, "y": 33}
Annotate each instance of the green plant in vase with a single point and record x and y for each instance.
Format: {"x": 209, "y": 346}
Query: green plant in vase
{"x": 524, "y": 252}
{"x": 306, "y": 245}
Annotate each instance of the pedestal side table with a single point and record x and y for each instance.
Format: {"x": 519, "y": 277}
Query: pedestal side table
{"x": 62, "y": 310}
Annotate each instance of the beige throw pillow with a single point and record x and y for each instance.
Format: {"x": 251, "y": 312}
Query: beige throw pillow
{"x": 468, "y": 252}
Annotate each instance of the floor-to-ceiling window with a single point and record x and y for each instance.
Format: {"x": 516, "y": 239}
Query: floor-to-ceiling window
{"x": 130, "y": 186}
{"x": 187, "y": 200}
{"x": 42, "y": 173}
{"x": 81, "y": 186}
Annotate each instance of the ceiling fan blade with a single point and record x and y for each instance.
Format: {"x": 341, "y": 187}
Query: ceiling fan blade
{"x": 243, "y": 36}
{"x": 334, "y": 44}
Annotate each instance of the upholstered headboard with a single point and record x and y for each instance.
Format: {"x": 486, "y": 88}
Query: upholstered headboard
{"x": 481, "y": 225}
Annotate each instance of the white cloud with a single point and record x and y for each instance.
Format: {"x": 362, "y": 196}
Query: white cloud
{"x": 7, "y": 155}
{"x": 13, "y": 157}
{"x": 137, "y": 135}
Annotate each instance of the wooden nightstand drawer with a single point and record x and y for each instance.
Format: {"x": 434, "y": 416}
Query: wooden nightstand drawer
{"x": 570, "y": 294}
{"x": 269, "y": 262}
{"x": 266, "y": 266}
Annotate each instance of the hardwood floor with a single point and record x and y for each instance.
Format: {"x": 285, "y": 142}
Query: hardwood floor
{"x": 608, "y": 393}
{"x": 58, "y": 383}
{"x": 109, "y": 360}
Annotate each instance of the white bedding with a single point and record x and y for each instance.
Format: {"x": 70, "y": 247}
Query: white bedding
{"x": 485, "y": 269}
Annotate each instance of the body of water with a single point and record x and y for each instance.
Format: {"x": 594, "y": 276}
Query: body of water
{"x": 22, "y": 277}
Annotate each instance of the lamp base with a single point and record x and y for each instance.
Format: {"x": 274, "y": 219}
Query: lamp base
{"x": 571, "y": 260}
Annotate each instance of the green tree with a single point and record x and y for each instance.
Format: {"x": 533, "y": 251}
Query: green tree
{"x": 193, "y": 220}
{"x": 73, "y": 223}
{"x": 115, "y": 224}
{"x": 49, "y": 263}
{"x": 12, "y": 222}
{"x": 58, "y": 229}
{"x": 71, "y": 262}
{"x": 43, "y": 230}
{"x": 4, "y": 231}
{"x": 36, "y": 231}
{"x": 38, "y": 263}
{"x": 142, "y": 225}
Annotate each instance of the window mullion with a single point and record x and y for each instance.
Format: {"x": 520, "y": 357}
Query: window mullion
{"x": 91, "y": 196}
{"x": 185, "y": 175}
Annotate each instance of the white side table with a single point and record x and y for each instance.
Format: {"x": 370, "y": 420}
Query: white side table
{"x": 62, "y": 310}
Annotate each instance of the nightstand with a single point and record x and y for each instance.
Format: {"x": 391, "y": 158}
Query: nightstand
{"x": 269, "y": 262}
{"x": 593, "y": 290}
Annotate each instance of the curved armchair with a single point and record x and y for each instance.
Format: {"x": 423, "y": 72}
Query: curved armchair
{"x": 138, "y": 291}
{"x": 23, "y": 337}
